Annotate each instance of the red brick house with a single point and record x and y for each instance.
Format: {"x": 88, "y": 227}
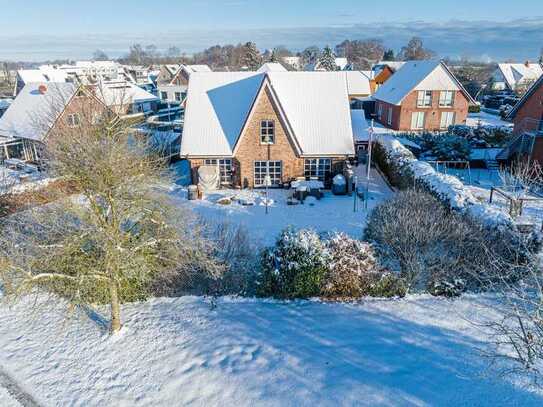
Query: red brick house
{"x": 422, "y": 96}
{"x": 527, "y": 116}
{"x": 251, "y": 124}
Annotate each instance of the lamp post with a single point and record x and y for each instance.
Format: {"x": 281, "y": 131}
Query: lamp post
{"x": 370, "y": 142}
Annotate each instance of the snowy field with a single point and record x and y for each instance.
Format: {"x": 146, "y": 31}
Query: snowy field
{"x": 19, "y": 181}
{"x": 331, "y": 213}
{"x": 6, "y": 400}
{"x": 419, "y": 351}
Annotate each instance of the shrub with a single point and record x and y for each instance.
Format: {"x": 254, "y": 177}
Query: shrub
{"x": 352, "y": 268}
{"x": 474, "y": 108}
{"x": 388, "y": 285}
{"x": 294, "y": 267}
{"x": 451, "y": 148}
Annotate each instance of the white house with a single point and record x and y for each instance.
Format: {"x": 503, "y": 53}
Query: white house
{"x": 510, "y": 76}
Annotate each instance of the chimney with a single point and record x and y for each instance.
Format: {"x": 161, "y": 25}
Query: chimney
{"x": 42, "y": 89}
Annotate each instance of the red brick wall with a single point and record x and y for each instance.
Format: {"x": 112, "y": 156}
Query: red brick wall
{"x": 531, "y": 109}
{"x": 401, "y": 116}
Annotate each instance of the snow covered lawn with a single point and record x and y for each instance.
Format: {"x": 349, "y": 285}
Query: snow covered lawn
{"x": 331, "y": 213}
{"x": 245, "y": 352}
{"x": 486, "y": 119}
{"x": 6, "y": 400}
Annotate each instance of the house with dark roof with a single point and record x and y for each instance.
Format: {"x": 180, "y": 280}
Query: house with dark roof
{"x": 278, "y": 124}
{"x": 422, "y": 96}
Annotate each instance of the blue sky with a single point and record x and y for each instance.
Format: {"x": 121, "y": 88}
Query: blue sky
{"x": 32, "y": 29}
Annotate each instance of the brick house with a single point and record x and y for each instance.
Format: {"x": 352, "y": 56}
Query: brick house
{"x": 42, "y": 110}
{"x": 254, "y": 124}
{"x": 527, "y": 116}
{"x": 175, "y": 91}
{"x": 422, "y": 96}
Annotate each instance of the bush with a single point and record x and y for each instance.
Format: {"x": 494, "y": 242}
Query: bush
{"x": 439, "y": 250}
{"x": 352, "y": 268}
{"x": 474, "y": 108}
{"x": 294, "y": 267}
{"x": 451, "y": 148}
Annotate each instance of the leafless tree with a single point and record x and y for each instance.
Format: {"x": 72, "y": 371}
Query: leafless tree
{"x": 414, "y": 50}
{"x": 123, "y": 232}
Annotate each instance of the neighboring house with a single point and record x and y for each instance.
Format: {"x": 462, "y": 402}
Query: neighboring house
{"x": 282, "y": 124}
{"x": 272, "y": 67}
{"x": 44, "y": 73}
{"x": 527, "y": 116}
{"x": 137, "y": 74}
{"x": 176, "y": 90}
{"x": 40, "y": 110}
{"x": 422, "y": 96}
{"x": 294, "y": 62}
{"x": 382, "y": 71}
{"x": 124, "y": 97}
{"x": 359, "y": 87}
{"x": 167, "y": 73}
{"x": 512, "y": 76}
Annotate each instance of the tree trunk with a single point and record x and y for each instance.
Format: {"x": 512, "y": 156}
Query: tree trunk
{"x": 115, "y": 307}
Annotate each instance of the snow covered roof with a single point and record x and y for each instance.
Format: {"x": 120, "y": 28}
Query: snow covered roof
{"x": 360, "y": 125}
{"x": 197, "y": 68}
{"x": 272, "y": 67}
{"x": 512, "y": 113}
{"x": 315, "y": 105}
{"x": 44, "y": 74}
{"x": 32, "y": 113}
{"x": 172, "y": 68}
{"x": 418, "y": 75}
{"x": 357, "y": 83}
{"x": 394, "y": 65}
{"x": 117, "y": 93}
{"x": 342, "y": 63}
{"x": 515, "y": 73}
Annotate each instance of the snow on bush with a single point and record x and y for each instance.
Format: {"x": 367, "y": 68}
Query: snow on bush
{"x": 404, "y": 170}
{"x": 295, "y": 266}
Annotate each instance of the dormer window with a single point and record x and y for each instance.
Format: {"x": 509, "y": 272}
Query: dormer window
{"x": 446, "y": 98}
{"x": 424, "y": 98}
{"x": 267, "y": 132}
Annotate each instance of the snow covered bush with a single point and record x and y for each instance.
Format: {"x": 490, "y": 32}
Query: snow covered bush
{"x": 352, "y": 268}
{"x": 451, "y": 148}
{"x": 294, "y": 267}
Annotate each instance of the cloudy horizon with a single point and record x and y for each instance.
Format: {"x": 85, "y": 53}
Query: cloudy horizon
{"x": 519, "y": 39}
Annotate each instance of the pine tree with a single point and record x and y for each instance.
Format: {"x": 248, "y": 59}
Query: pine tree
{"x": 327, "y": 60}
{"x": 389, "y": 55}
{"x": 251, "y": 57}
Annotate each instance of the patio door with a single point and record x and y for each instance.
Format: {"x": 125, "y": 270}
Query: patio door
{"x": 272, "y": 168}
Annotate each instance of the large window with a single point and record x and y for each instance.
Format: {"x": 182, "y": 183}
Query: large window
{"x": 447, "y": 119}
{"x": 225, "y": 169}
{"x": 178, "y": 96}
{"x": 318, "y": 168}
{"x": 164, "y": 95}
{"x": 267, "y": 132}
{"x": 446, "y": 98}
{"x": 424, "y": 98}
{"x": 389, "y": 116}
{"x": 417, "y": 120}
{"x": 380, "y": 110}
{"x": 271, "y": 168}
{"x": 73, "y": 120}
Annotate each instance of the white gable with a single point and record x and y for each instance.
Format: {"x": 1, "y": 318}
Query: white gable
{"x": 438, "y": 79}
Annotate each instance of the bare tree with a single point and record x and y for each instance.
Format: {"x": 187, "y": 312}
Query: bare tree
{"x": 520, "y": 179}
{"x": 414, "y": 50}
{"x": 99, "y": 55}
{"x": 111, "y": 244}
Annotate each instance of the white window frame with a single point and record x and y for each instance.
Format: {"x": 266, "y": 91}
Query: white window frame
{"x": 416, "y": 122}
{"x": 267, "y": 129}
{"x": 263, "y": 168}
{"x": 225, "y": 168}
{"x": 389, "y": 116}
{"x": 446, "y": 98}
{"x": 73, "y": 120}
{"x": 317, "y": 168}
{"x": 446, "y": 120}
{"x": 424, "y": 98}
{"x": 178, "y": 97}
